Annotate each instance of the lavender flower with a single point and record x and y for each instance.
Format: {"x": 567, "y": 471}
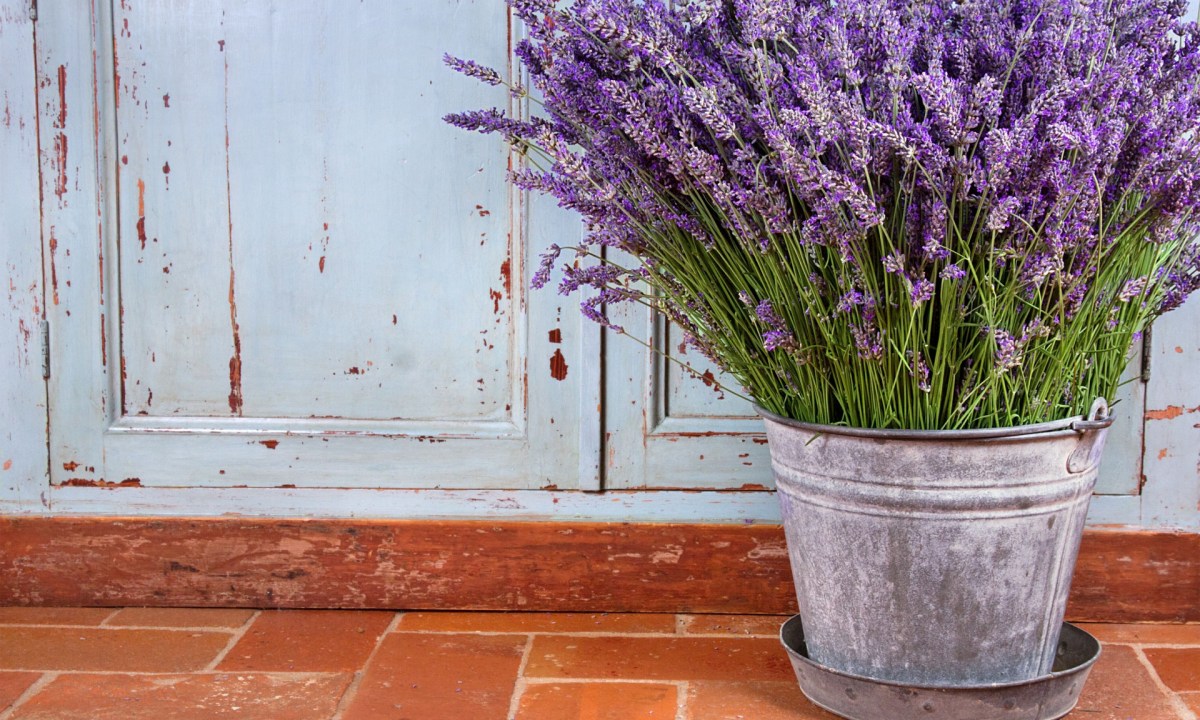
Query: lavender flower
{"x": 830, "y": 163}
{"x": 470, "y": 68}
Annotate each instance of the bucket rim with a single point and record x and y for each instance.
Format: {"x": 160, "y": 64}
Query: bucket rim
{"x": 1100, "y": 420}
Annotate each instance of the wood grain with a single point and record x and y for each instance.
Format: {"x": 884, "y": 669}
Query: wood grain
{"x": 1122, "y": 576}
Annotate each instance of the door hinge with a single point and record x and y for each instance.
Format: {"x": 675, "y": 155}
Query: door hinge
{"x": 33, "y": 10}
{"x": 1147, "y": 352}
{"x": 45, "y": 349}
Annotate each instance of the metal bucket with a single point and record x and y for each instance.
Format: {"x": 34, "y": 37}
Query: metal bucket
{"x": 935, "y": 558}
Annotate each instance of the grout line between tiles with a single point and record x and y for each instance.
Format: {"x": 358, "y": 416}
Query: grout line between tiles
{"x": 547, "y": 680}
{"x": 234, "y": 639}
{"x": 352, "y": 689}
{"x": 284, "y": 675}
{"x": 1173, "y": 699}
{"x": 585, "y": 633}
{"x": 514, "y": 703}
{"x": 113, "y": 628}
{"x": 1151, "y": 645}
{"x": 30, "y": 691}
{"x": 681, "y": 692}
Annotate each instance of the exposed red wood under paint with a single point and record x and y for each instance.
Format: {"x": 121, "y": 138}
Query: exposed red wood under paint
{"x": 61, "y": 122}
{"x": 506, "y": 274}
{"x": 53, "y": 266}
{"x": 558, "y": 366}
{"x": 271, "y": 444}
{"x": 235, "y": 360}
{"x": 83, "y": 482}
{"x": 60, "y": 154}
{"x": 1122, "y": 575}
{"x": 1170, "y": 412}
{"x": 556, "y": 335}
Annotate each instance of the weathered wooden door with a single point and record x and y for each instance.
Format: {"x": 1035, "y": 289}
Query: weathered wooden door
{"x": 277, "y": 283}
{"x": 273, "y": 265}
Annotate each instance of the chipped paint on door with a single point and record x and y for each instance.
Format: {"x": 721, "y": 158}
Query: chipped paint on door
{"x": 300, "y": 276}
{"x": 22, "y": 392}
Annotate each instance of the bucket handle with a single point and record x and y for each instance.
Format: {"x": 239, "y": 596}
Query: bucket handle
{"x": 1091, "y": 443}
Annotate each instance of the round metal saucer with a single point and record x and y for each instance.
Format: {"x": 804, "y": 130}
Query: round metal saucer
{"x": 863, "y": 698}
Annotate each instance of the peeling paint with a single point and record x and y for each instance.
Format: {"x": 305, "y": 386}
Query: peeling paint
{"x": 269, "y": 444}
{"x": 558, "y": 366}
{"x": 61, "y": 121}
{"x": 506, "y": 274}
{"x": 60, "y": 154}
{"x": 8, "y": 465}
{"x": 235, "y": 360}
{"x": 141, "y": 221}
{"x": 84, "y": 482}
{"x": 167, "y": 100}
{"x": 1170, "y": 412}
{"x": 556, "y": 336}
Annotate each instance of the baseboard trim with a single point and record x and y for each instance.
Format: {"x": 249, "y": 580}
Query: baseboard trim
{"x": 1123, "y": 575}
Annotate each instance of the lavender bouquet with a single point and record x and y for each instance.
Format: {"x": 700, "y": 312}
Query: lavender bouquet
{"x": 921, "y": 214}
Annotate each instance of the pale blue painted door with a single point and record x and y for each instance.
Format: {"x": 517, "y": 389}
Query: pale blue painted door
{"x": 273, "y": 265}
{"x": 272, "y": 269}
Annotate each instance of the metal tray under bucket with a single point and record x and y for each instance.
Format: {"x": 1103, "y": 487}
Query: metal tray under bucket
{"x": 862, "y": 698}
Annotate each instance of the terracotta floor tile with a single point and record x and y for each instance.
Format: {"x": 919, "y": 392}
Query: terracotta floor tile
{"x": 186, "y": 697}
{"x": 418, "y": 676}
{"x": 1120, "y": 688}
{"x": 307, "y": 641}
{"x": 751, "y": 701}
{"x": 1192, "y": 700}
{"x": 53, "y": 615}
{"x": 767, "y": 625}
{"x": 658, "y": 658}
{"x": 1175, "y": 634}
{"x": 12, "y": 684}
{"x": 116, "y": 650}
{"x": 181, "y": 617}
{"x": 598, "y": 701}
{"x": 1179, "y": 668}
{"x": 538, "y": 622}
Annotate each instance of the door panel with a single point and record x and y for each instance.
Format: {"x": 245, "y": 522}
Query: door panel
{"x": 300, "y": 275}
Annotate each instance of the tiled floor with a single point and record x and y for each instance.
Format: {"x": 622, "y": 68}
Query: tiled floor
{"x": 160, "y": 664}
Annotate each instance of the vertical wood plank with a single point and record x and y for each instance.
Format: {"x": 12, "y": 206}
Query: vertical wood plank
{"x": 23, "y": 462}
{"x": 75, "y": 234}
{"x": 1171, "y": 494}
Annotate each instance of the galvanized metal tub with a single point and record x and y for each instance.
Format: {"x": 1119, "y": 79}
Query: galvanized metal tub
{"x": 935, "y": 558}
{"x": 851, "y": 696}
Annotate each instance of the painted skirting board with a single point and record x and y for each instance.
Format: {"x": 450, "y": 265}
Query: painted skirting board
{"x": 1122, "y": 575}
